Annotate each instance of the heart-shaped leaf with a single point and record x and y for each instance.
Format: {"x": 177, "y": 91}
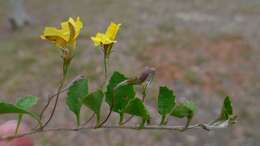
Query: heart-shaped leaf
{"x": 136, "y": 107}
{"x": 94, "y": 101}
{"x": 77, "y": 91}
{"x": 26, "y": 102}
{"x": 121, "y": 95}
{"x": 166, "y": 102}
{"x": 226, "y": 116}
{"x": 184, "y": 109}
{"x": 7, "y": 108}
{"x": 227, "y": 109}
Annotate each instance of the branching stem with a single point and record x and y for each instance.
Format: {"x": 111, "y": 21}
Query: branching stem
{"x": 56, "y": 102}
{"x": 66, "y": 65}
{"x": 54, "y": 95}
{"x": 89, "y": 119}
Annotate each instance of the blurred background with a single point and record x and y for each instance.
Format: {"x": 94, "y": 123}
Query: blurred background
{"x": 203, "y": 49}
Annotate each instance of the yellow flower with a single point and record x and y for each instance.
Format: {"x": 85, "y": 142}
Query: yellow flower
{"x": 107, "y": 38}
{"x": 64, "y": 37}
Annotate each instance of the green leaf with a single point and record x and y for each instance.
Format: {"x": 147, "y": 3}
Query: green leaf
{"x": 121, "y": 95}
{"x": 6, "y": 108}
{"x": 136, "y": 107}
{"x": 26, "y": 102}
{"x": 184, "y": 109}
{"x": 226, "y": 115}
{"x": 77, "y": 91}
{"x": 94, "y": 101}
{"x": 166, "y": 102}
{"x": 227, "y": 110}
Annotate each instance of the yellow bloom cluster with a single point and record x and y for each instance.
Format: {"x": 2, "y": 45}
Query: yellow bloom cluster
{"x": 65, "y": 37}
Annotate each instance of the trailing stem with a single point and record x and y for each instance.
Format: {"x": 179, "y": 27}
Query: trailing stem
{"x": 205, "y": 126}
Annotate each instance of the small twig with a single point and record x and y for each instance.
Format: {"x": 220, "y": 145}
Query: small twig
{"x": 89, "y": 119}
{"x": 150, "y": 127}
{"x": 112, "y": 105}
{"x": 49, "y": 101}
{"x": 56, "y": 102}
{"x": 107, "y": 117}
{"x": 54, "y": 95}
{"x": 127, "y": 120}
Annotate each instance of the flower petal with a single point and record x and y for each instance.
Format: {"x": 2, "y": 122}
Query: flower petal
{"x": 65, "y": 30}
{"x": 75, "y": 27}
{"x": 101, "y": 38}
{"x": 112, "y": 30}
{"x": 54, "y": 35}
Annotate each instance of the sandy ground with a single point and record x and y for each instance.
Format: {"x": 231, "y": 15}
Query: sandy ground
{"x": 202, "y": 49}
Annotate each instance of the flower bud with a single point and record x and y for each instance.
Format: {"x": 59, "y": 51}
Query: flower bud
{"x": 146, "y": 75}
{"x": 148, "y": 72}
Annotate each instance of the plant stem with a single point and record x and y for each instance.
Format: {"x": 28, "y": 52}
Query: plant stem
{"x": 105, "y": 65}
{"x": 54, "y": 95}
{"x": 121, "y": 120}
{"x": 97, "y": 119}
{"x": 206, "y": 127}
{"x": 65, "y": 71}
{"x": 20, "y": 116}
{"x": 49, "y": 101}
{"x": 89, "y": 119}
{"x": 56, "y": 102}
{"x": 187, "y": 123}
{"x": 106, "y": 59}
{"x": 163, "y": 122}
{"x": 107, "y": 117}
{"x": 110, "y": 110}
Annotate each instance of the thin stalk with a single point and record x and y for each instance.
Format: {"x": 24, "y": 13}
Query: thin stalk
{"x": 187, "y": 123}
{"x": 49, "y": 101}
{"x": 20, "y": 116}
{"x": 107, "y": 117}
{"x": 110, "y": 111}
{"x": 89, "y": 119}
{"x": 78, "y": 120}
{"x": 56, "y": 102}
{"x": 97, "y": 119}
{"x": 65, "y": 71}
{"x": 106, "y": 66}
{"x": 106, "y": 62}
{"x": 127, "y": 120}
{"x": 163, "y": 122}
{"x": 121, "y": 122}
{"x": 54, "y": 95}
